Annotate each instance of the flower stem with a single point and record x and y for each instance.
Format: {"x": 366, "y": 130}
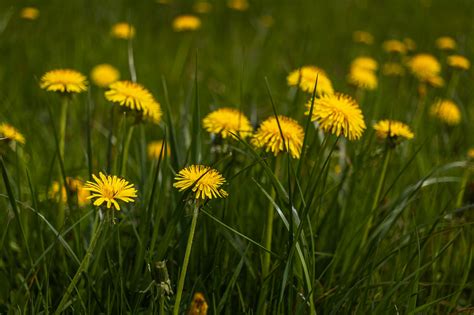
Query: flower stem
{"x": 388, "y": 153}
{"x": 187, "y": 254}
{"x": 126, "y": 148}
{"x": 62, "y": 125}
{"x": 462, "y": 188}
{"x": 83, "y": 266}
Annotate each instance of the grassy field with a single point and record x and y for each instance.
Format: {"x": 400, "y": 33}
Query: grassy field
{"x": 327, "y": 223}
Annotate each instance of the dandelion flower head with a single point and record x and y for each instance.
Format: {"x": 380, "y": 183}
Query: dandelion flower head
{"x": 226, "y": 122}
{"x": 29, "y": 13}
{"x": 64, "y": 81}
{"x": 363, "y": 37}
{"x": 394, "y": 46}
{"x": 154, "y": 150}
{"x": 362, "y": 78}
{"x": 109, "y": 190}
{"x": 446, "y": 111}
{"x": 366, "y": 63}
{"x": 338, "y": 114}
{"x": 76, "y": 186}
{"x": 123, "y": 30}
{"x": 409, "y": 44}
{"x": 269, "y": 137}
{"x": 186, "y": 23}
{"x": 104, "y": 74}
{"x": 306, "y": 78}
{"x": 445, "y": 43}
{"x": 204, "y": 181}
{"x": 393, "y": 130}
{"x": 458, "y": 62}
{"x": 198, "y": 305}
{"x": 424, "y": 66}
{"x": 238, "y": 5}
{"x": 9, "y": 133}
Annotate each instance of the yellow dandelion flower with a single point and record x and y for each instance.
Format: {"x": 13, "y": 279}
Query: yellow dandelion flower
{"x": 123, "y": 30}
{"x": 366, "y": 63}
{"x": 394, "y": 46}
{"x": 204, "y": 181}
{"x": 202, "y": 7}
{"x": 104, "y": 74}
{"x": 198, "y": 305}
{"x": 29, "y": 13}
{"x": 134, "y": 96}
{"x": 458, "y": 62}
{"x": 363, "y": 37}
{"x": 446, "y": 43}
{"x": 186, "y": 23}
{"x": 64, "y": 81}
{"x": 110, "y": 189}
{"x": 154, "y": 149}
{"x": 446, "y": 111}
{"x": 362, "y": 78}
{"x": 470, "y": 153}
{"x": 409, "y": 44}
{"x": 436, "y": 81}
{"x": 306, "y": 77}
{"x": 392, "y": 129}
{"x": 338, "y": 114}
{"x": 226, "y": 122}
{"x": 393, "y": 69}
{"x": 238, "y": 5}
{"x": 424, "y": 66}
{"x": 268, "y": 136}
{"x": 76, "y": 187}
{"x": 9, "y": 133}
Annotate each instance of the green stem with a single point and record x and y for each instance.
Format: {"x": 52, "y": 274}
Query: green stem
{"x": 83, "y": 266}
{"x": 462, "y": 188}
{"x": 126, "y": 148}
{"x": 62, "y": 125}
{"x": 375, "y": 203}
{"x": 453, "y": 82}
{"x": 187, "y": 254}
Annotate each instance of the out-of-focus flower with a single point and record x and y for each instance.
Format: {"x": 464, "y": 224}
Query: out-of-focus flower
{"x": 238, "y": 5}
{"x": 394, "y": 46}
{"x": 154, "y": 150}
{"x": 9, "y": 133}
{"x": 198, "y": 305}
{"x": 363, "y": 37}
{"x": 202, "y": 7}
{"x": 104, "y": 74}
{"x": 366, "y": 63}
{"x": 123, "y": 30}
{"x": 458, "y": 62}
{"x": 306, "y": 76}
{"x": 186, "y": 23}
{"x": 446, "y": 43}
{"x": 76, "y": 188}
{"x": 424, "y": 66}
{"x": 29, "y": 13}
{"x": 228, "y": 122}
{"x": 409, "y": 44}
{"x": 446, "y": 111}
{"x": 362, "y": 78}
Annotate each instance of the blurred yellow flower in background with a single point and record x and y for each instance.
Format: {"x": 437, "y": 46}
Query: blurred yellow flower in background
{"x": 204, "y": 181}
{"x": 186, "y": 23}
{"x": 123, "y": 30}
{"x": 446, "y": 43}
{"x": 446, "y": 111}
{"x": 363, "y": 37}
{"x": 76, "y": 187}
{"x": 470, "y": 154}
{"x": 9, "y": 133}
{"x": 198, "y": 305}
{"x": 394, "y": 46}
{"x": 362, "y": 78}
{"x": 154, "y": 150}
{"x": 338, "y": 114}
{"x": 289, "y": 139}
{"x": 64, "y": 81}
{"x": 104, "y": 74}
{"x": 424, "y": 67}
{"x": 202, "y": 7}
{"x": 365, "y": 63}
{"x": 110, "y": 189}
{"x": 409, "y": 44}
{"x": 238, "y": 5}
{"x": 226, "y": 122}
{"x": 458, "y": 62}
{"x": 392, "y": 129}
{"x": 29, "y": 13}
{"x": 306, "y": 76}
{"x": 135, "y": 97}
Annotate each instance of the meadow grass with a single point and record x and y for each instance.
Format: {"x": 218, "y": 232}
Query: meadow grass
{"x": 358, "y": 227}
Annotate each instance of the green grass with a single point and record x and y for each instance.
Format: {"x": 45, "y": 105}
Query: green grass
{"x": 415, "y": 259}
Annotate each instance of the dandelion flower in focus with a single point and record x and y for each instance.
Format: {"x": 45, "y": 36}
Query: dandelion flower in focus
{"x": 363, "y": 37}
{"x": 29, "y": 13}
{"x": 135, "y": 97}
{"x": 362, "y": 78}
{"x": 394, "y": 46}
{"x": 64, "y": 81}
{"x": 446, "y": 43}
{"x": 226, "y": 122}
{"x": 269, "y": 137}
{"x": 393, "y": 69}
{"x": 238, "y": 5}
{"x": 365, "y": 63}
{"x": 424, "y": 66}
{"x": 9, "y": 133}
{"x": 186, "y": 23}
{"x": 204, "y": 181}
{"x": 154, "y": 150}
{"x": 446, "y": 111}
{"x": 198, "y": 305}
{"x": 338, "y": 114}
{"x": 110, "y": 189}
{"x": 393, "y": 130}
{"x": 202, "y": 7}
{"x": 123, "y": 30}
{"x": 306, "y": 78}
{"x": 104, "y": 74}
{"x": 458, "y": 62}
